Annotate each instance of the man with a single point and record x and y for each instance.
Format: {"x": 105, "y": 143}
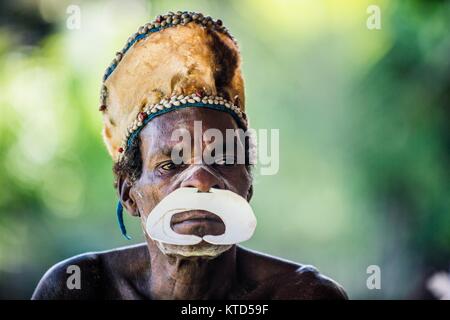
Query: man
{"x": 181, "y": 72}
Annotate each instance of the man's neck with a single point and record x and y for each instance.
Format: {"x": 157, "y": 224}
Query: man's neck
{"x": 176, "y": 277}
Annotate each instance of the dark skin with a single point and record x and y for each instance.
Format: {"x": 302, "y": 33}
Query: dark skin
{"x": 144, "y": 272}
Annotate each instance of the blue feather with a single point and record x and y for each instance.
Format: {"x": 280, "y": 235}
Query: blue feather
{"x": 119, "y": 212}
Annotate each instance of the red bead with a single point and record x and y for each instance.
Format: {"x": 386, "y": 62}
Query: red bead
{"x": 199, "y": 94}
{"x": 142, "y": 116}
{"x": 120, "y": 150}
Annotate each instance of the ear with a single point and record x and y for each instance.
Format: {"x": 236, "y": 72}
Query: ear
{"x": 250, "y": 193}
{"x": 124, "y": 186}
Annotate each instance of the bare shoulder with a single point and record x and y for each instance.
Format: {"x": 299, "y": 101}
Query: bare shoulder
{"x": 283, "y": 279}
{"x": 70, "y": 279}
{"x": 85, "y": 276}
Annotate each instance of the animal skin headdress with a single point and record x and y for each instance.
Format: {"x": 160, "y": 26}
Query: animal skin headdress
{"x": 180, "y": 60}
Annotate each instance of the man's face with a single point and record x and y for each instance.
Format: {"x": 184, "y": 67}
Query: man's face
{"x": 160, "y": 175}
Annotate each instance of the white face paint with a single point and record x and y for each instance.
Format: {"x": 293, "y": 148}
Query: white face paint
{"x": 235, "y": 212}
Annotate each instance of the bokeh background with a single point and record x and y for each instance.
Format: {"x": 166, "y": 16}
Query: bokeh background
{"x": 364, "y": 131}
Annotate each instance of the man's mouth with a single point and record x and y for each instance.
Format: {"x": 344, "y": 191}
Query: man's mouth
{"x": 197, "y": 222}
{"x": 194, "y": 215}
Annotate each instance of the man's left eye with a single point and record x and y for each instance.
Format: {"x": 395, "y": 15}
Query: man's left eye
{"x": 225, "y": 161}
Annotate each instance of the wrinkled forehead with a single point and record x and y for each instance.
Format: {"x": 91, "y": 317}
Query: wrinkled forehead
{"x": 162, "y": 133}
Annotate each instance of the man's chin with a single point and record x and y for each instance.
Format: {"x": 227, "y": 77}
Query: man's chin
{"x": 203, "y": 249}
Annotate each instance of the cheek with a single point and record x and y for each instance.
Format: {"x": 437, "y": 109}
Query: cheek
{"x": 149, "y": 190}
{"x": 146, "y": 197}
{"x": 243, "y": 186}
{"x": 239, "y": 180}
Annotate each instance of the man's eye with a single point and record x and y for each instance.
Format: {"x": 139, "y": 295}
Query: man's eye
{"x": 168, "y": 166}
{"x": 225, "y": 161}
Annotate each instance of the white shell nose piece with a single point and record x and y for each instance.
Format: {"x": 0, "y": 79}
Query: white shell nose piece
{"x": 165, "y": 231}
{"x": 235, "y": 212}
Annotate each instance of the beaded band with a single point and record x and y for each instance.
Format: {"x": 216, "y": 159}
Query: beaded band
{"x": 179, "y": 102}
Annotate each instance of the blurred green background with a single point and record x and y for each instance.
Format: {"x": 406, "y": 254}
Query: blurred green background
{"x": 363, "y": 115}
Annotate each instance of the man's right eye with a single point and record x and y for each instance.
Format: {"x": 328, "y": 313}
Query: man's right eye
{"x": 168, "y": 166}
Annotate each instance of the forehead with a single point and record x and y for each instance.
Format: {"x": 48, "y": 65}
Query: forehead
{"x": 157, "y": 133}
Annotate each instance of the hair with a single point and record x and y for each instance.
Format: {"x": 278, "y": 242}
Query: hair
{"x": 130, "y": 166}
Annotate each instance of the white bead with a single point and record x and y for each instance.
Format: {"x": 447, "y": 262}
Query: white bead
{"x": 191, "y": 100}
{"x": 196, "y": 98}
{"x": 176, "y": 103}
{"x": 159, "y": 106}
{"x": 183, "y": 101}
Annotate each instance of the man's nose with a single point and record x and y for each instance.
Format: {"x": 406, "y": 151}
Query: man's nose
{"x": 203, "y": 180}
